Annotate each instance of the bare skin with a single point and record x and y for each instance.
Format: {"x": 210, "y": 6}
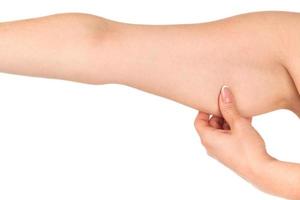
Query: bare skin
{"x": 234, "y": 142}
{"x": 256, "y": 54}
{"x": 186, "y": 63}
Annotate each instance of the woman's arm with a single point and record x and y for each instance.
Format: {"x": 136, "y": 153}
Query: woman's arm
{"x": 279, "y": 178}
{"x": 290, "y": 30}
{"x": 186, "y": 63}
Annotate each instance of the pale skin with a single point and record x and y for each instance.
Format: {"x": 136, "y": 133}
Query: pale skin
{"x": 255, "y": 54}
{"x": 235, "y": 143}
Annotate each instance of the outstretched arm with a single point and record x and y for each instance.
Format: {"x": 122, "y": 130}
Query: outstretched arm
{"x": 186, "y": 63}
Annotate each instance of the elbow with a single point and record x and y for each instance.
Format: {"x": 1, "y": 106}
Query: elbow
{"x": 85, "y": 47}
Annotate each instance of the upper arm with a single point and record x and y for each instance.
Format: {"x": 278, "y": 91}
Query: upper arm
{"x": 190, "y": 63}
{"x": 289, "y": 29}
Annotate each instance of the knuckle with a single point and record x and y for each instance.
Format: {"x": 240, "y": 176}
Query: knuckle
{"x": 197, "y": 125}
{"x": 203, "y": 142}
{"x": 196, "y": 122}
{"x": 206, "y": 142}
{"x": 198, "y": 129}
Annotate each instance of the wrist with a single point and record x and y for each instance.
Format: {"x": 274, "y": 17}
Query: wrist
{"x": 260, "y": 170}
{"x": 254, "y": 169}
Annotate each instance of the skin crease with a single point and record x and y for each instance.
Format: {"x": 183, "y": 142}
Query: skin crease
{"x": 256, "y": 54}
{"x": 185, "y": 63}
{"x": 235, "y": 143}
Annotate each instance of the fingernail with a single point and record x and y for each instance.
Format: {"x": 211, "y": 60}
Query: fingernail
{"x": 226, "y": 94}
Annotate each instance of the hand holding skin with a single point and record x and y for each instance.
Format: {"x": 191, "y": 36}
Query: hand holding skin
{"x": 233, "y": 141}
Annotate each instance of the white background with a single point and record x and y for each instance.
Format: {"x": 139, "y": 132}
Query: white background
{"x": 64, "y": 140}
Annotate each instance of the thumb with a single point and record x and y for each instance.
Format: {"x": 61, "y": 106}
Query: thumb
{"x": 228, "y": 106}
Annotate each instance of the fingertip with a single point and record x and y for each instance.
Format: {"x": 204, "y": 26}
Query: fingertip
{"x": 203, "y": 116}
{"x": 202, "y": 123}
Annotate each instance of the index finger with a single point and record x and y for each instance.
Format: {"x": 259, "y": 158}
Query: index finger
{"x": 202, "y": 123}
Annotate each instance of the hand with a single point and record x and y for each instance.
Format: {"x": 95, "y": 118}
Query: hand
{"x": 231, "y": 139}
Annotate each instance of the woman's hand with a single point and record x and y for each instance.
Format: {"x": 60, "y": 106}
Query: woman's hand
{"x": 231, "y": 139}
{"x": 234, "y": 142}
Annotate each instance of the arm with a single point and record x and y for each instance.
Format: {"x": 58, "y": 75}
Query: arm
{"x": 186, "y": 63}
{"x": 235, "y": 143}
{"x": 291, "y": 45}
{"x": 280, "y": 178}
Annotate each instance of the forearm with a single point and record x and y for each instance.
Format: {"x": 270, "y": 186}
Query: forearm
{"x": 59, "y": 46}
{"x": 186, "y": 63}
{"x": 279, "y": 178}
